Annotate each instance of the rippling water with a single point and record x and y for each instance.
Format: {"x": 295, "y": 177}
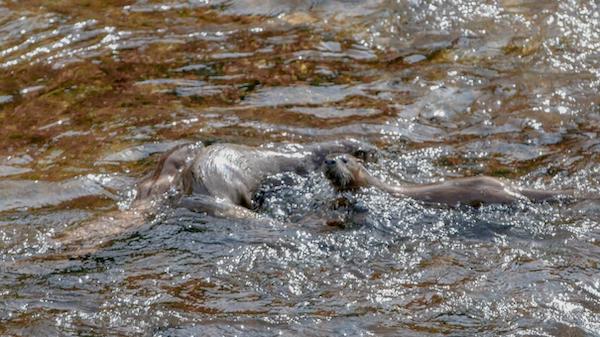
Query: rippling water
{"x": 91, "y": 91}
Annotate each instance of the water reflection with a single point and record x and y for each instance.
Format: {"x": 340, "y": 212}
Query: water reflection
{"x": 90, "y": 93}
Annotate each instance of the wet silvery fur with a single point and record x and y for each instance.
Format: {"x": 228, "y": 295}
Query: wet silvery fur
{"x": 348, "y": 173}
{"x": 223, "y": 178}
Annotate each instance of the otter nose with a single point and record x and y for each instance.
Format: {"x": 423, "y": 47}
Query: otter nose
{"x": 330, "y": 162}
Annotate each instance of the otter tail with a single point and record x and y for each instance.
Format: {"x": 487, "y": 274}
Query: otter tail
{"x": 539, "y": 195}
{"x": 100, "y": 231}
{"x": 80, "y": 242}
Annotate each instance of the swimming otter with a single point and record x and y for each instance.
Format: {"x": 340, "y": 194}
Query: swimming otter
{"x": 219, "y": 179}
{"x": 223, "y": 178}
{"x": 164, "y": 183}
{"x": 347, "y": 173}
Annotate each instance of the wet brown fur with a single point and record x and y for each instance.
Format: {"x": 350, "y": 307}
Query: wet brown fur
{"x": 347, "y": 173}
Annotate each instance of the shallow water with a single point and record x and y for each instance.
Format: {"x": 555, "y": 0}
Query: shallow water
{"x": 91, "y": 92}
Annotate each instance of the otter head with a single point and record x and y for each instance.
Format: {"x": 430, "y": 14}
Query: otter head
{"x": 346, "y": 172}
{"x": 171, "y": 173}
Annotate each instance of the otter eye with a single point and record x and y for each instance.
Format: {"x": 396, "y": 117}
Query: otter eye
{"x": 344, "y": 160}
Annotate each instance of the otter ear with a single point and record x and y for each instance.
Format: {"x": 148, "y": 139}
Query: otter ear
{"x": 366, "y": 155}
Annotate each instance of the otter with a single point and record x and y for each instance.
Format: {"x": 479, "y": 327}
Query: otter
{"x": 347, "y": 173}
{"x": 163, "y": 184}
{"x": 219, "y": 179}
{"x": 223, "y": 178}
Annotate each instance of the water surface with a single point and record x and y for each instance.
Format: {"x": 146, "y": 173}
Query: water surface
{"x": 92, "y": 91}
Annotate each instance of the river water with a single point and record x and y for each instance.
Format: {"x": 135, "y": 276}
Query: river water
{"x": 91, "y": 91}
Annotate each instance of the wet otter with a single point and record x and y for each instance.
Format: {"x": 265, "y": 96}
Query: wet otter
{"x": 219, "y": 179}
{"x": 223, "y": 178}
{"x": 165, "y": 182}
{"x": 347, "y": 173}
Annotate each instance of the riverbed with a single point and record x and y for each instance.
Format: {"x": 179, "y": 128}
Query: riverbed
{"x": 92, "y": 92}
